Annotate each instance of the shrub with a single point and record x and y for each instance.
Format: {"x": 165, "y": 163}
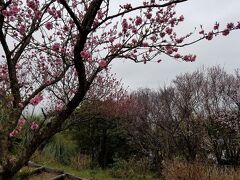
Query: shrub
{"x": 61, "y": 148}
{"x": 130, "y": 168}
{"x": 81, "y": 161}
{"x": 197, "y": 171}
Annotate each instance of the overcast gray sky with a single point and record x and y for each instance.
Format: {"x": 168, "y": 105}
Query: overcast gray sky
{"x": 224, "y": 51}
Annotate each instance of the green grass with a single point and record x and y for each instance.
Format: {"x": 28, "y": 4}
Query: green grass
{"x": 115, "y": 173}
{"x": 95, "y": 174}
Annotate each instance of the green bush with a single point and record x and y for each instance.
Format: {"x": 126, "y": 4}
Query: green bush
{"x": 61, "y": 148}
{"x": 81, "y": 161}
{"x": 132, "y": 168}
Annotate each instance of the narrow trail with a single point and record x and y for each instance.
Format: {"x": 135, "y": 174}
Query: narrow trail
{"x": 38, "y": 172}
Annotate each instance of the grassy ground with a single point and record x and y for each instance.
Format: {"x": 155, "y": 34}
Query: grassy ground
{"x": 96, "y": 174}
{"x": 173, "y": 170}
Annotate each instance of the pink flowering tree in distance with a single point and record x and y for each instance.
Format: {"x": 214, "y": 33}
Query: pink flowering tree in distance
{"x": 61, "y": 50}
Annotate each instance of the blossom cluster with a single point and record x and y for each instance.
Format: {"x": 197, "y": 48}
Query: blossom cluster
{"x": 36, "y": 100}
{"x": 226, "y": 31}
{"x": 20, "y": 125}
{"x": 87, "y": 56}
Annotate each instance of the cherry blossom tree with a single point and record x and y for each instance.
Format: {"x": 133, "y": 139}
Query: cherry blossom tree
{"x": 62, "y": 49}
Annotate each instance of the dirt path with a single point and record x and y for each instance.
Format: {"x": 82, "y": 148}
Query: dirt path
{"x": 38, "y": 172}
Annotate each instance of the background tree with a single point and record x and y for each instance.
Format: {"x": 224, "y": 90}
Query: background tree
{"x": 102, "y": 135}
{"x": 187, "y": 120}
{"x": 142, "y": 125}
{"x": 189, "y": 134}
{"x": 221, "y": 97}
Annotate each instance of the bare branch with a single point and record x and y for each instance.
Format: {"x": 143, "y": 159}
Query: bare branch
{"x": 73, "y": 16}
{"x": 136, "y": 8}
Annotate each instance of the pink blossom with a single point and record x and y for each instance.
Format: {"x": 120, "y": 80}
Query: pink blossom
{"x": 124, "y": 25}
{"x": 32, "y": 5}
{"x": 49, "y": 25}
{"x": 103, "y": 63}
{"x": 90, "y": 60}
{"x": 201, "y": 32}
{"x": 180, "y": 40}
{"x": 144, "y": 44}
{"x": 36, "y": 100}
{"x": 134, "y": 41}
{"x": 85, "y": 54}
{"x": 181, "y": 18}
{"x": 111, "y": 39}
{"x": 169, "y": 30}
{"x": 172, "y": 21}
{"x": 225, "y": 32}
{"x": 66, "y": 28}
{"x": 177, "y": 56}
{"x": 58, "y": 106}
{"x": 134, "y": 31}
{"x": 34, "y": 125}
{"x": 216, "y": 26}
{"x": 230, "y": 26}
{"x": 138, "y": 21}
{"x": 56, "y": 46}
{"x": 175, "y": 49}
{"x": 100, "y": 14}
{"x": 189, "y": 58}
{"x": 5, "y": 13}
{"x": 22, "y": 29}
{"x": 209, "y": 36}
{"x": 238, "y": 25}
{"x": 13, "y": 133}
{"x": 52, "y": 11}
{"x": 153, "y": 38}
{"x": 20, "y": 105}
{"x": 59, "y": 14}
{"x": 148, "y": 15}
{"x": 152, "y": 1}
{"x": 14, "y": 10}
{"x": 127, "y": 6}
{"x": 162, "y": 34}
{"x": 21, "y": 121}
{"x": 169, "y": 51}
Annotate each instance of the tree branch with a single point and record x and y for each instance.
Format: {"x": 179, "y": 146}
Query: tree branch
{"x": 2, "y": 36}
{"x": 42, "y": 87}
{"x": 73, "y": 16}
{"x": 137, "y": 8}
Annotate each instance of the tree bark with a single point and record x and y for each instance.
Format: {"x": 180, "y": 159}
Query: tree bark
{"x": 6, "y": 175}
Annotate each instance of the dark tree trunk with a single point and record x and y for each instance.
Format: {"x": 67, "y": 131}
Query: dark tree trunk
{"x": 103, "y": 151}
{"x": 6, "y": 175}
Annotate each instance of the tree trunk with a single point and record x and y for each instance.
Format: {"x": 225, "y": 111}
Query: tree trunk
{"x": 102, "y": 159}
{"x": 6, "y": 175}
{"x": 9, "y": 169}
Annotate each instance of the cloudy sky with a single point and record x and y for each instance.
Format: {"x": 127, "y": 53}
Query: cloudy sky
{"x": 224, "y": 51}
